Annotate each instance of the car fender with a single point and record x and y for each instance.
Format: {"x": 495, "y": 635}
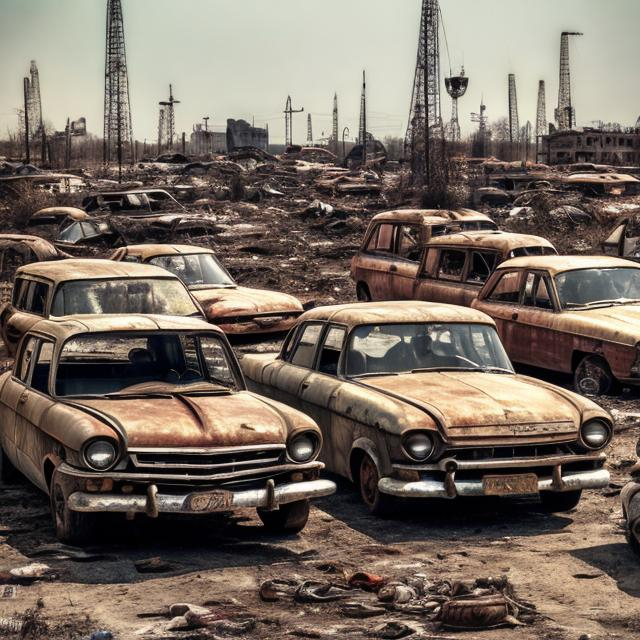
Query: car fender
{"x": 369, "y": 447}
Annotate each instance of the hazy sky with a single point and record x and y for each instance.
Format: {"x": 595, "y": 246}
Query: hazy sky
{"x": 240, "y": 58}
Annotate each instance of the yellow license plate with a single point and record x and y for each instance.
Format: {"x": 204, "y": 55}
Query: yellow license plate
{"x": 209, "y": 501}
{"x": 519, "y": 485}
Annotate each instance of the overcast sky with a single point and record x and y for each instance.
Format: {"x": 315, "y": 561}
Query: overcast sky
{"x": 240, "y": 59}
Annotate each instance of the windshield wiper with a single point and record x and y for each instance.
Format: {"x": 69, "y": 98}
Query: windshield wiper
{"x": 373, "y": 374}
{"x": 496, "y": 370}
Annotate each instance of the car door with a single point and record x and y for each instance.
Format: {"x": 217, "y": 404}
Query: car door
{"x": 404, "y": 267}
{"x": 481, "y": 265}
{"x": 442, "y": 278}
{"x": 373, "y": 265}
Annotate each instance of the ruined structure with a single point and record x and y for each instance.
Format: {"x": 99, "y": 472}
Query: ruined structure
{"x": 204, "y": 141}
{"x": 34, "y": 101}
{"x": 241, "y": 134}
{"x": 565, "y": 113}
{"x": 118, "y": 131}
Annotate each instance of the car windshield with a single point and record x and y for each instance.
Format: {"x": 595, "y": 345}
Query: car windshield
{"x": 593, "y": 287}
{"x": 199, "y": 268}
{"x": 133, "y": 295}
{"x": 113, "y": 363}
{"x": 532, "y": 251}
{"x": 407, "y": 348}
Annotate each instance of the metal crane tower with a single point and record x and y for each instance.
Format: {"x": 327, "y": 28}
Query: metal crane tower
{"x": 514, "y": 125}
{"x": 335, "y": 124}
{"x": 288, "y": 122}
{"x": 170, "y": 117}
{"x": 118, "y": 132}
{"x": 456, "y": 88}
{"x": 424, "y": 141}
{"x": 541, "y": 116}
{"x": 309, "y": 130}
{"x": 565, "y": 113}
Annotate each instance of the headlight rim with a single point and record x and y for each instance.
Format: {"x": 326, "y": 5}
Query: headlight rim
{"x": 313, "y": 436}
{"x": 415, "y": 432}
{"x": 585, "y": 443}
{"x": 86, "y": 460}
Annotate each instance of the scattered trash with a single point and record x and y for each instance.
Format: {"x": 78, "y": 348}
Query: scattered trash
{"x": 11, "y": 625}
{"x": 477, "y": 613}
{"x": 392, "y": 631}
{"x": 153, "y": 565}
{"x": 28, "y": 574}
{"x": 101, "y": 635}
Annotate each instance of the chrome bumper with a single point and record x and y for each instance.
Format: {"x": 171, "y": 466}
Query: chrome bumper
{"x": 270, "y": 497}
{"x": 451, "y": 488}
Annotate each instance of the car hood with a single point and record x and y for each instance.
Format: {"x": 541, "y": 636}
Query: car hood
{"x": 485, "y": 404}
{"x": 190, "y": 420}
{"x": 620, "y": 323}
{"x": 244, "y": 301}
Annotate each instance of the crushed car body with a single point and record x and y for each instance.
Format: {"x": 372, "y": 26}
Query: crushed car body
{"x": 149, "y": 414}
{"x": 420, "y": 400}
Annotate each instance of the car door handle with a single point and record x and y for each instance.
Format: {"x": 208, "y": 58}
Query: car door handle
{"x": 514, "y": 316}
{"x": 393, "y": 268}
{"x": 23, "y": 397}
{"x": 305, "y": 386}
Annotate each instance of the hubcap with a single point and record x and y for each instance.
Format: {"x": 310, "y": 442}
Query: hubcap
{"x": 368, "y": 481}
{"x": 592, "y": 379}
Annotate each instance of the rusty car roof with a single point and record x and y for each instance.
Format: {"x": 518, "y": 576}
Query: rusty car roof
{"x": 395, "y": 312}
{"x": 429, "y": 216}
{"x": 600, "y": 178}
{"x": 500, "y": 240}
{"x": 91, "y": 269}
{"x": 559, "y": 264}
{"x": 146, "y": 251}
{"x": 69, "y": 326}
{"x": 41, "y": 247}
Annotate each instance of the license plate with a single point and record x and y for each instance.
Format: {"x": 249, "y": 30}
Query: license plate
{"x": 520, "y": 485}
{"x": 209, "y": 501}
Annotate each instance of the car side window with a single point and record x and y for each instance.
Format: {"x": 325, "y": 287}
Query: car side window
{"x": 305, "y": 349}
{"x": 536, "y": 292}
{"x": 20, "y": 292}
{"x": 331, "y": 350}
{"x": 37, "y": 298}
{"x": 42, "y": 367}
{"x": 383, "y": 239}
{"x": 409, "y": 243}
{"x": 25, "y": 361}
{"x": 451, "y": 264}
{"x": 482, "y": 266}
{"x": 507, "y": 289}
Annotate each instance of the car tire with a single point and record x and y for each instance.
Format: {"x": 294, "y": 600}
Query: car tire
{"x": 362, "y": 292}
{"x": 288, "y": 519}
{"x": 593, "y": 377}
{"x": 378, "y": 503}
{"x": 8, "y": 473}
{"x": 72, "y": 527}
{"x": 559, "y": 502}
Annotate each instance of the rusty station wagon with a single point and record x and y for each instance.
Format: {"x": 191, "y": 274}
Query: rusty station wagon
{"x": 575, "y": 314}
{"x": 150, "y": 414}
{"x": 236, "y": 310}
{"x": 419, "y": 400}
{"x": 70, "y": 287}
{"x": 449, "y": 268}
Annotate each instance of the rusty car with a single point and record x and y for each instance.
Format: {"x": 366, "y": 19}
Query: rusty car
{"x": 630, "y": 497}
{"x": 573, "y": 314}
{"x": 150, "y": 414}
{"x": 419, "y": 400}
{"x": 236, "y": 310}
{"x": 624, "y": 239}
{"x": 90, "y": 286}
{"x": 131, "y": 201}
{"x": 602, "y": 184}
{"x": 447, "y": 268}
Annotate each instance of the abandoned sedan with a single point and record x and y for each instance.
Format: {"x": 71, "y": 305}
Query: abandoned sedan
{"x": 419, "y": 400}
{"x": 236, "y": 310}
{"x": 630, "y": 497}
{"x": 149, "y": 414}
{"x": 575, "y": 314}
{"x": 70, "y": 287}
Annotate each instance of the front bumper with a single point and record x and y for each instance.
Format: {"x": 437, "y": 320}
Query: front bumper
{"x": 270, "y": 497}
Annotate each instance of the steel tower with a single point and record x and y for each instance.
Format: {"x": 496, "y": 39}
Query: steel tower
{"x": 309, "y": 130}
{"x": 424, "y": 141}
{"x": 34, "y": 101}
{"x": 456, "y": 88}
{"x": 514, "y": 125}
{"x": 288, "y": 122}
{"x": 565, "y": 113}
{"x": 170, "y": 117}
{"x": 541, "y": 116}
{"x": 118, "y": 132}
{"x": 335, "y": 123}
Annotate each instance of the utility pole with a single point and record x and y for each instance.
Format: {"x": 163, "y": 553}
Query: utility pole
{"x": 288, "y": 121}
{"x": 335, "y": 123}
{"x": 309, "y": 131}
{"x": 363, "y": 119}
{"x": 26, "y": 119}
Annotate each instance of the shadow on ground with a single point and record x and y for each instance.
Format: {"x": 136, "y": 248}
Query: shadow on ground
{"x": 616, "y": 560}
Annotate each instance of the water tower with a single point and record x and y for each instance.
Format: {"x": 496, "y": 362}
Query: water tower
{"x": 456, "y": 88}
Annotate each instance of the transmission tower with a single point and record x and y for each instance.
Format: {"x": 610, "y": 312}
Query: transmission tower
{"x": 162, "y": 120}
{"x": 565, "y": 113}
{"x": 362, "y": 130}
{"x": 288, "y": 122}
{"x": 170, "y": 117}
{"x": 541, "y": 116}
{"x": 118, "y": 132}
{"x": 335, "y": 123}
{"x": 309, "y": 130}
{"x": 480, "y": 143}
{"x": 456, "y": 88}
{"x": 35, "y": 103}
{"x": 425, "y": 136}
{"x": 514, "y": 125}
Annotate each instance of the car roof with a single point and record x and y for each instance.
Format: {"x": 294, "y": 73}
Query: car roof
{"x": 41, "y": 247}
{"x": 558, "y": 264}
{"x": 500, "y": 240}
{"x": 64, "y": 328}
{"x": 395, "y": 312}
{"x": 146, "y": 251}
{"x": 91, "y": 269}
{"x": 429, "y": 217}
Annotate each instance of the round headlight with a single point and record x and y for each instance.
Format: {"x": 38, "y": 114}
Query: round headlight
{"x": 595, "y": 434}
{"x": 303, "y": 447}
{"x": 100, "y": 454}
{"x": 418, "y": 446}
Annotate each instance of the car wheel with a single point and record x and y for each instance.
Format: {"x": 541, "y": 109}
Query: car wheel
{"x": 379, "y": 504}
{"x": 593, "y": 377}
{"x": 72, "y": 527}
{"x": 557, "y": 502}
{"x": 8, "y": 473}
{"x": 362, "y": 292}
{"x": 289, "y": 518}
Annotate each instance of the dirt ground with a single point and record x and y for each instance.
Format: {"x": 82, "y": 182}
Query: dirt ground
{"x": 575, "y": 569}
